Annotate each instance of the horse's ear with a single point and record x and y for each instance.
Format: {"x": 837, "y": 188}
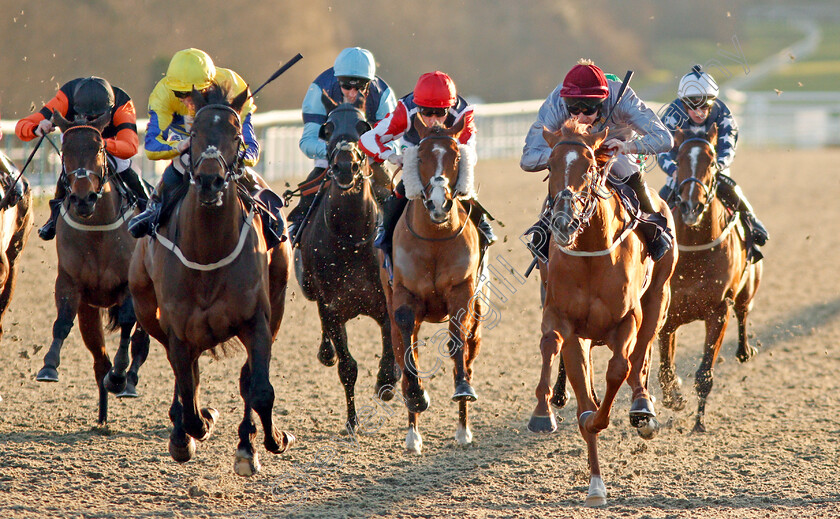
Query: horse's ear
{"x": 325, "y": 132}
{"x": 550, "y": 137}
{"x": 712, "y": 134}
{"x": 679, "y": 137}
{"x": 596, "y": 139}
{"x": 329, "y": 102}
{"x": 60, "y": 121}
{"x": 198, "y": 98}
{"x": 420, "y": 125}
{"x": 455, "y": 131}
{"x": 360, "y": 102}
{"x": 239, "y": 101}
{"x": 102, "y": 121}
{"x": 363, "y": 127}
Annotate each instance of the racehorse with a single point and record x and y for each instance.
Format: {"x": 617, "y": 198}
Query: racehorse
{"x": 336, "y": 264}
{"x": 435, "y": 271}
{"x": 713, "y": 271}
{"x": 207, "y": 277}
{"x": 599, "y": 285}
{"x": 94, "y": 250}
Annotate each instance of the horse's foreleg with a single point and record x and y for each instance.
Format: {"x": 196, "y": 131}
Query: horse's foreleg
{"x": 407, "y": 320}
{"x": 461, "y": 324}
{"x": 279, "y": 270}
{"x": 347, "y": 369}
{"x": 618, "y": 369}
{"x": 704, "y": 378}
{"x": 389, "y": 372}
{"x": 672, "y": 397}
{"x": 67, "y": 303}
{"x": 115, "y": 380}
{"x": 257, "y": 340}
{"x": 197, "y": 424}
{"x": 90, "y": 326}
{"x": 542, "y": 419}
{"x": 139, "y": 351}
{"x": 743, "y": 305}
{"x": 181, "y": 446}
{"x": 246, "y": 461}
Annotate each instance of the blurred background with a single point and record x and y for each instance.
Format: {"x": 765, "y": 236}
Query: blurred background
{"x": 778, "y": 62}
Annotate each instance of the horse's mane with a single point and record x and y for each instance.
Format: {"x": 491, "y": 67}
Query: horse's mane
{"x": 574, "y": 127}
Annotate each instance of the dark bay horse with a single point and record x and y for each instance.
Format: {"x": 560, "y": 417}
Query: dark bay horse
{"x": 713, "y": 271}
{"x": 94, "y": 251}
{"x": 601, "y": 287}
{"x": 338, "y": 264}
{"x": 206, "y": 278}
{"x": 436, "y": 272}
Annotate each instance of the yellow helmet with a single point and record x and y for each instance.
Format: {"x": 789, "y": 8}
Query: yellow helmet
{"x": 189, "y": 68}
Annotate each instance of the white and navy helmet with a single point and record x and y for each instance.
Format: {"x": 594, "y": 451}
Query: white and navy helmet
{"x": 697, "y": 88}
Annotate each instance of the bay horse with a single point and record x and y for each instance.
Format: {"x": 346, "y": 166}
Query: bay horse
{"x": 600, "y": 288}
{"x": 94, "y": 251}
{"x": 338, "y": 264}
{"x": 713, "y": 271}
{"x": 207, "y": 277}
{"x": 435, "y": 272}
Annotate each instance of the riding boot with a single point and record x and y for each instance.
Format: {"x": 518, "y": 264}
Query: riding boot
{"x": 485, "y": 230}
{"x": 667, "y": 193}
{"x": 658, "y": 242}
{"x": 733, "y": 198}
{"x": 391, "y": 211}
{"x": 132, "y": 180}
{"x": 47, "y": 232}
{"x": 380, "y": 182}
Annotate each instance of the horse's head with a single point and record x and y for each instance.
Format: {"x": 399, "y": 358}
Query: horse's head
{"x": 575, "y": 179}
{"x": 215, "y": 142}
{"x": 346, "y": 122}
{"x": 696, "y": 174}
{"x": 438, "y": 159}
{"x": 83, "y": 160}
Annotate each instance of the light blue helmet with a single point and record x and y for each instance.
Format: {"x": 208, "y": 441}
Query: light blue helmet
{"x": 355, "y": 62}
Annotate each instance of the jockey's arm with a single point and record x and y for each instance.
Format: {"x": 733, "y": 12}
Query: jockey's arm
{"x": 536, "y": 151}
{"x": 655, "y": 136}
{"x": 125, "y": 144}
{"x": 727, "y": 139}
{"x": 25, "y": 128}
{"x": 252, "y": 148}
{"x": 314, "y": 115}
{"x": 375, "y": 142}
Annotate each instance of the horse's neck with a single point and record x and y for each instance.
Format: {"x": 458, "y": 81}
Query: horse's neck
{"x": 352, "y": 213}
{"x": 607, "y": 220}
{"x": 206, "y": 234}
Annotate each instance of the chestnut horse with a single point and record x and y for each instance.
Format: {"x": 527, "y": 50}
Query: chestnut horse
{"x": 207, "y": 278}
{"x": 336, "y": 264}
{"x": 94, "y": 251}
{"x": 435, "y": 271}
{"x": 713, "y": 271}
{"x": 599, "y": 285}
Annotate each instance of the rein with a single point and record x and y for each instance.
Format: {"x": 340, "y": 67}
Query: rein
{"x": 104, "y": 178}
{"x": 708, "y": 190}
{"x": 232, "y": 171}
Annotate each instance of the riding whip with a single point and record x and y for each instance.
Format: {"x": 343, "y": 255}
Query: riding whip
{"x": 313, "y": 205}
{"x": 621, "y": 90}
{"x": 280, "y": 70}
{"x": 11, "y": 188}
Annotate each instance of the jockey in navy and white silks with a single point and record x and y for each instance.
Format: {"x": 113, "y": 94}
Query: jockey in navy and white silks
{"x": 587, "y": 96}
{"x": 695, "y": 110}
{"x": 436, "y": 101}
{"x": 353, "y": 74}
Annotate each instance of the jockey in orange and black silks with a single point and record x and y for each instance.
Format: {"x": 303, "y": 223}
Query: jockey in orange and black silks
{"x": 588, "y": 96}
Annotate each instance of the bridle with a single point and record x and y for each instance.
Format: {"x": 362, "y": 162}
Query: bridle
{"x": 439, "y": 180}
{"x": 357, "y": 156}
{"x": 709, "y": 190}
{"x": 232, "y": 171}
{"x": 578, "y": 207}
{"x": 78, "y": 173}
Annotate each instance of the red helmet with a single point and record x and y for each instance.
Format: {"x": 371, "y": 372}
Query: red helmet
{"x": 585, "y": 80}
{"x": 435, "y": 90}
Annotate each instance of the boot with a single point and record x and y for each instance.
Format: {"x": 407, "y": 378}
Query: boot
{"x": 391, "y": 211}
{"x": 658, "y": 243}
{"x": 47, "y": 232}
{"x": 667, "y": 193}
{"x": 145, "y": 223}
{"x": 733, "y": 198}
{"x": 132, "y": 180}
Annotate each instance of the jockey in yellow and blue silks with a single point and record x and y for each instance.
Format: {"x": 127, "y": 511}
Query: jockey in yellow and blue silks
{"x": 171, "y": 112}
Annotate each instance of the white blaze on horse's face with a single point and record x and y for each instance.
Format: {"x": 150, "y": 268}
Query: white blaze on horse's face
{"x": 571, "y": 156}
{"x": 440, "y": 187}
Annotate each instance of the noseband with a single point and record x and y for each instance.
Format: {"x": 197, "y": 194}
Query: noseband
{"x": 580, "y": 205}
{"x": 232, "y": 171}
{"x": 357, "y": 158}
{"x": 84, "y": 172}
{"x": 707, "y": 189}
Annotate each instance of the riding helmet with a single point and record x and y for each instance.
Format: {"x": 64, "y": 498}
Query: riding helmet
{"x": 355, "y": 62}
{"x": 190, "y": 68}
{"x": 585, "y": 80}
{"x": 697, "y": 84}
{"x": 435, "y": 90}
{"x": 92, "y": 97}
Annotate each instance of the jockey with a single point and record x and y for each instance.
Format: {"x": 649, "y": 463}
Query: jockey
{"x": 171, "y": 111}
{"x": 694, "y": 111}
{"x": 587, "y": 96}
{"x": 353, "y": 74}
{"x": 436, "y": 101}
{"x": 88, "y": 99}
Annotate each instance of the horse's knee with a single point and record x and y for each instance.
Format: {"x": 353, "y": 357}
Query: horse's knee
{"x": 62, "y": 327}
{"x": 550, "y": 343}
{"x": 618, "y": 369}
{"x": 262, "y": 398}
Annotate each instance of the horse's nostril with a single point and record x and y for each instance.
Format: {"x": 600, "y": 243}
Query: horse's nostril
{"x": 74, "y": 199}
{"x": 218, "y": 183}
{"x": 447, "y": 205}
{"x": 91, "y": 198}
{"x": 355, "y": 167}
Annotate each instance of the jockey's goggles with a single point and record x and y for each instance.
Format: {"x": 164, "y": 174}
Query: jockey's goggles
{"x": 698, "y": 102}
{"x": 583, "y": 106}
{"x": 349, "y": 83}
{"x": 433, "y": 112}
{"x": 181, "y": 95}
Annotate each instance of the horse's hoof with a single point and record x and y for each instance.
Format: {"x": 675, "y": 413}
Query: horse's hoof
{"x": 413, "y": 441}
{"x": 417, "y": 403}
{"x": 464, "y": 392}
{"x": 597, "y": 493}
{"x": 699, "y": 427}
{"x": 182, "y": 453}
{"x": 246, "y": 464}
{"x": 210, "y": 416}
{"x": 130, "y": 391}
{"x": 649, "y": 430}
{"x": 326, "y": 354}
{"x": 47, "y": 374}
{"x": 385, "y": 392}
{"x": 560, "y": 399}
{"x": 114, "y": 383}
{"x": 288, "y": 440}
{"x": 748, "y": 353}
{"x": 463, "y": 435}
{"x": 641, "y": 411}
{"x": 542, "y": 424}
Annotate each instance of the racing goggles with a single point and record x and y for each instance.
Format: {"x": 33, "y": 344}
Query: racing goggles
{"x": 583, "y": 106}
{"x": 433, "y": 112}
{"x": 698, "y": 102}
{"x": 349, "y": 83}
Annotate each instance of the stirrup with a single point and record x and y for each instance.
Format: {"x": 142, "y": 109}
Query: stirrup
{"x": 47, "y": 231}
